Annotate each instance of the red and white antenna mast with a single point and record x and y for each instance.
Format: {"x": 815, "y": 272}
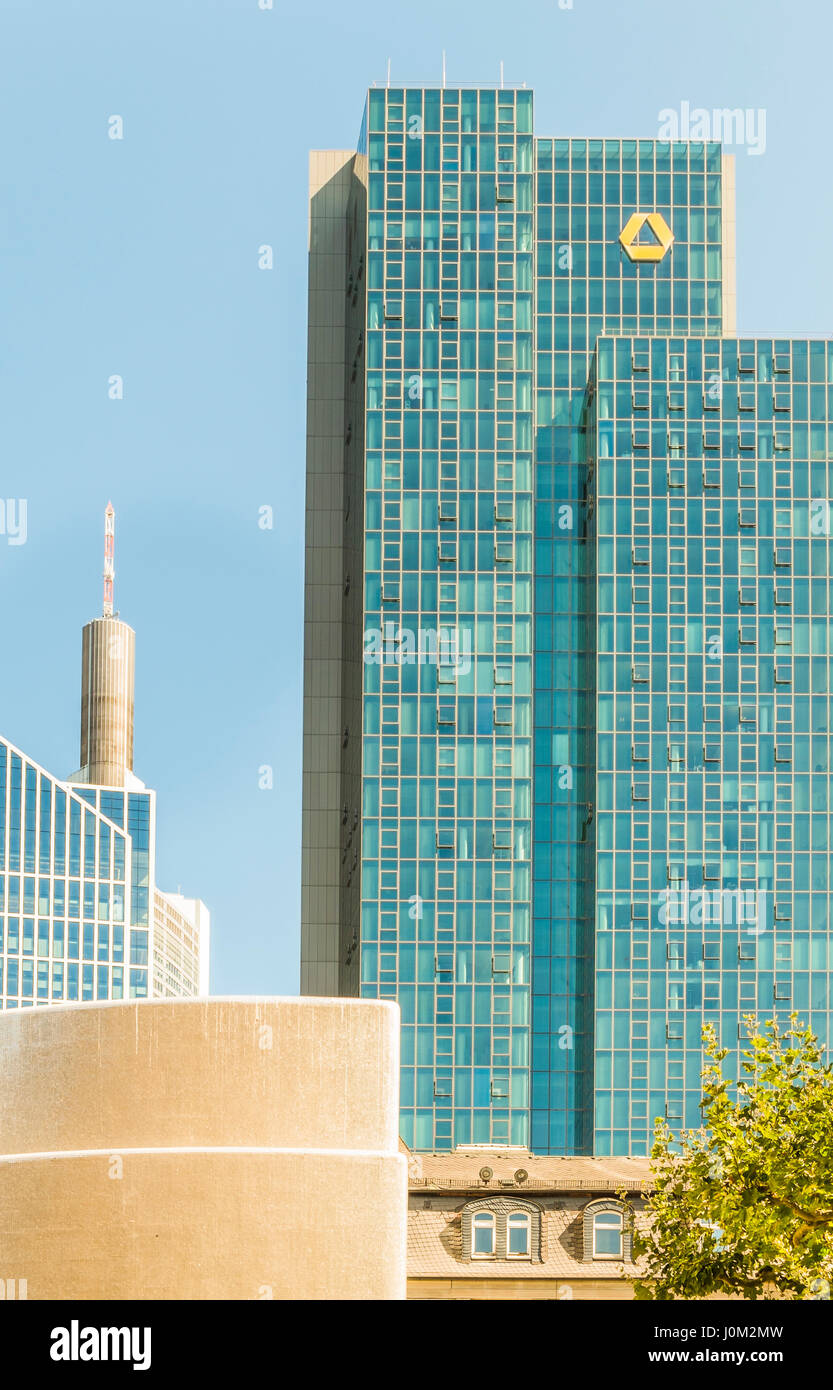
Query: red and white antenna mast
{"x": 109, "y": 570}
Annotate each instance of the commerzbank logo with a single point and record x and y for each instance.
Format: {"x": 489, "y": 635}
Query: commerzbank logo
{"x": 647, "y": 250}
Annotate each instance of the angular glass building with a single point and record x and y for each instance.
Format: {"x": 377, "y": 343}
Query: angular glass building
{"x": 65, "y": 875}
{"x": 550, "y": 498}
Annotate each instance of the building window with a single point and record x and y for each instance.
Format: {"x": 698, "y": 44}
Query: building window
{"x": 518, "y": 1235}
{"x": 483, "y": 1236}
{"x": 607, "y": 1230}
{"x": 607, "y": 1235}
{"x": 501, "y": 1228}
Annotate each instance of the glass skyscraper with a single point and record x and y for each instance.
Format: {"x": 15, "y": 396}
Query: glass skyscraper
{"x": 560, "y": 745}
{"x": 81, "y": 917}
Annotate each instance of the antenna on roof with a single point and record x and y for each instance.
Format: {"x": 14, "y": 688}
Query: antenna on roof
{"x": 109, "y": 570}
{"x": 501, "y": 74}
{"x": 388, "y": 81}
{"x": 443, "y": 67}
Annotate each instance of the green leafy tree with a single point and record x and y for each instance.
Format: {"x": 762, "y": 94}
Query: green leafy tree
{"x": 744, "y": 1205}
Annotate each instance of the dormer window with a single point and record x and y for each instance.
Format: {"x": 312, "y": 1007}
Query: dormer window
{"x": 606, "y": 1229}
{"x": 501, "y": 1228}
{"x": 607, "y": 1235}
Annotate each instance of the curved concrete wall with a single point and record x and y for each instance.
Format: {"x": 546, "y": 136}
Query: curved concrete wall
{"x": 220, "y": 1148}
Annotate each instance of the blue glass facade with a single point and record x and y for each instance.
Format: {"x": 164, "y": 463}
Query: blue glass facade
{"x": 65, "y": 925}
{"x": 711, "y": 469}
{"x": 593, "y": 756}
{"x": 446, "y": 753}
{"x": 585, "y": 285}
{"x": 140, "y": 812}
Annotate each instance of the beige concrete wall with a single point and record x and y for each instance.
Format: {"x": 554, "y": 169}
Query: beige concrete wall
{"x": 331, "y": 173}
{"x": 229, "y": 1149}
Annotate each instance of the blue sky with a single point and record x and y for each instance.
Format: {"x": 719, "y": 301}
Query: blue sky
{"x": 138, "y": 257}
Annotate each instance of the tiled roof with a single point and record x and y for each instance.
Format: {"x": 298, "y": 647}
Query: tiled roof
{"x": 460, "y": 1170}
{"x": 441, "y": 1183}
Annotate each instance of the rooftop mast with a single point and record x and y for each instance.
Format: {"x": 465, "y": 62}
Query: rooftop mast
{"x": 107, "y": 686}
{"x": 109, "y": 571}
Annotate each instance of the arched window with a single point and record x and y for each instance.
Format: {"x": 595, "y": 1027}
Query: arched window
{"x": 607, "y": 1235}
{"x": 518, "y": 1235}
{"x": 483, "y": 1235}
{"x": 607, "y": 1230}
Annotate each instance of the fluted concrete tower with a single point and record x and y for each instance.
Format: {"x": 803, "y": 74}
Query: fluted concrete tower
{"x": 107, "y": 686}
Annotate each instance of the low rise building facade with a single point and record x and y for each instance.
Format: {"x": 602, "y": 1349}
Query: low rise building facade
{"x": 504, "y": 1224}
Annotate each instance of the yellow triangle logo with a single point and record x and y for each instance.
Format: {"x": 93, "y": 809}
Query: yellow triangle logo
{"x": 632, "y": 228}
